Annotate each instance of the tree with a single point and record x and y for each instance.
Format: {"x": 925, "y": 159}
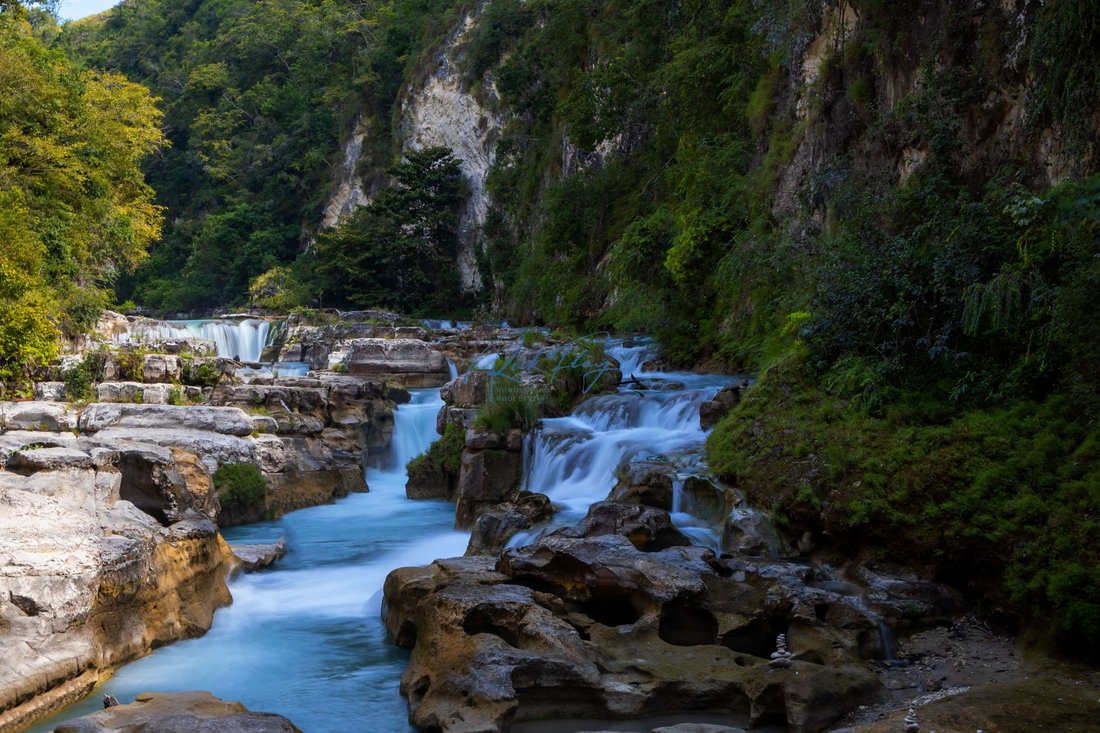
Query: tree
{"x": 399, "y": 250}
{"x": 75, "y": 210}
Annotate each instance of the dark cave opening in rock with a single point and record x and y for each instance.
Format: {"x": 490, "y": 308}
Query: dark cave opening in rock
{"x": 140, "y": 489}
{"x": 615, "y": 611}
{"x": 686, "y": 624}
{"x": 756, "y": 637}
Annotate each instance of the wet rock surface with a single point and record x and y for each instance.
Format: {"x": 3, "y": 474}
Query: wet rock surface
{"x": 498, "y": 524}
{"x": 178, "y": 712}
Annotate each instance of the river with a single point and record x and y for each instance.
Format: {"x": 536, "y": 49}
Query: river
{"x": 306, "y": 640}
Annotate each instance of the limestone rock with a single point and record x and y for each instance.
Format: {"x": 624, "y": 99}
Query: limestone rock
{"x": 256, "y": 557}
{"x": 37, "y": 416}
{"x": 645, "y": 482}
{"x": 213, "y": 449}
{"x": 223, "y": 420}
{"x": 584, "y": 624}
{"x": 92, "y": 577}
{"x": 395, "y": 357}
{"x": 49, "y": 391}
{"x": 713, "y": 410}
{"x": 160, "y": 368}
{"x": 48, "y": 459}
{"x": 135, "y": 392}
{"x": 178, "y": 712}
{"x": 487, "y": 477}
{"x": 468, "y": 390}
{"x": 648, "y": 529}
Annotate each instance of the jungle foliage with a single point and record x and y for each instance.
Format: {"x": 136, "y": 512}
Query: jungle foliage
{"x": 256, "y": 97}
{"x": 75, "y": 210}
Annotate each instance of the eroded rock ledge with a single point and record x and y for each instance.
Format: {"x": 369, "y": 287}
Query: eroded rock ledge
{"x": 106, "y": 552}
{"x": 620, "y": 617}
{"x": 179, "y": 712}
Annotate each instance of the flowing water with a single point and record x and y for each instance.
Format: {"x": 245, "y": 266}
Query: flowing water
{"x": 244, "y": 339}
{"x": 305, "y": 639}
{"x": 574, "y": 459}
{"x": 241, "y": 339}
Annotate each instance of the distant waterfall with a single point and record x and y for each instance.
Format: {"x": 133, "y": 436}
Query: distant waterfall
{"x": 243, "y": 339}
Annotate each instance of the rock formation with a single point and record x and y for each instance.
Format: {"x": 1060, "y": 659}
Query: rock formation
{"x": 178, "y": 712}
{"x": 618, "y": 617}
{"x": 106, "y": 552}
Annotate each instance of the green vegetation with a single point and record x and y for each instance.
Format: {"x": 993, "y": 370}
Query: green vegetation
{"x": 568, "y": 374}
{"x": 1004, "y": 501}
{"x": 399, "y": 250}
{"x": 75, "y": 211}
{"x": 241, "y": 489}
{"x": 256, "y": 95}
{"x": 900, "y": 235}
{"x": 443, "y": 457}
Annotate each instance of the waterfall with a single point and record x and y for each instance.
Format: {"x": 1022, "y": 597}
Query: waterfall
{"x": 574, "y": 459}
{"x": 452, "y": 370}
{"x": 244, "y": 339}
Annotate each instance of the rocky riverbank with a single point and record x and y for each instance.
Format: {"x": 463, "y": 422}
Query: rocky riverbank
{"x": 107, "y": 550}
{"x": 673, "y": 596}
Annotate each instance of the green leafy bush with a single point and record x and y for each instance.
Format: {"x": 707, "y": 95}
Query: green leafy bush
{"x": 443, "y": 457}
{"x": 240, "y": 487}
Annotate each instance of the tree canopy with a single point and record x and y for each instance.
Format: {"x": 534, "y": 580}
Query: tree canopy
{"x": 75, "y": 210}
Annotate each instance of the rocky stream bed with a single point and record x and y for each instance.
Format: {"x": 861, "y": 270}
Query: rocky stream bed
{"x": 588, "y": 571}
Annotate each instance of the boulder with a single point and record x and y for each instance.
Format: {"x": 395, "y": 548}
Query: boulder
{"x": 49, "y": 391}
{"x": 748, "y": 531}
{"x": 648, "y": 529}
{"x": 468, "y": 390}
{"x": 160, "y": 368}
{"x": 50, "y": 417}
{"x": 254, "y": 557}
{"x": 135, "y": 392}
{"x": 48, "y": 459}
{"x": 394, "y": 357}
{"x": 487, "y": 477}
{"x": 496, "y": 525}
{"x": 714, "y": 409}
{"x": 645, "y": 482}
{"x": 178, "y": 712}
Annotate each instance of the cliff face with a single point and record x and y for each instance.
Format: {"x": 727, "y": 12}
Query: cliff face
{"x": 437, "y": 108}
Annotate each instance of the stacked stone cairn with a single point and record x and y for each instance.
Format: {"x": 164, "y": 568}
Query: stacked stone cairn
{"x": 781, "y": 658}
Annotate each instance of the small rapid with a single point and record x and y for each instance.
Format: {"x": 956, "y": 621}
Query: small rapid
{"x": 574, "y": 460}
{"x": 306, "y": 639}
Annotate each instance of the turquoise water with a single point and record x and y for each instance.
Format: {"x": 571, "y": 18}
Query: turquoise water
{"x": 306, "y": 639}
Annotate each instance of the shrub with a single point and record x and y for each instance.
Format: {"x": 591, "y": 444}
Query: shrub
{"x": 444, "y": 456}
{"x": 240, "y": 487}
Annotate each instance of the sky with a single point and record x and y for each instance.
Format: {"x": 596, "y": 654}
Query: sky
{"x": 73, "y": 9}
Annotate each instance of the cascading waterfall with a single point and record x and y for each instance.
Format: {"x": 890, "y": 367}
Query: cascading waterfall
{"x": 244, "y": 339}
{"x": 574, "y": 459}
{"x": 305, "y": 640}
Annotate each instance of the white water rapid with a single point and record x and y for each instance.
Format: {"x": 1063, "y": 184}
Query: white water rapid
{"x": 574, "y": 459}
